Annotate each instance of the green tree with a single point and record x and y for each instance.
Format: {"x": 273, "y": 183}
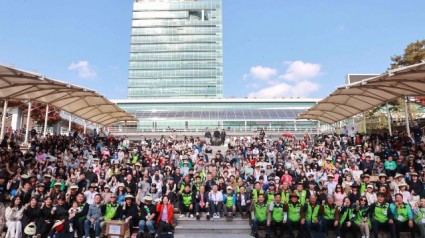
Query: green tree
{"x": 414, "y": 53}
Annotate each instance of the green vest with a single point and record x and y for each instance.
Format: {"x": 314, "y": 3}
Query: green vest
{"x": 110, "y": 211}
{"x": 363, "y": 186}
{"x": 381, "y": 213}
{"x": 229, "y": 200}
{"x": 348, "y": 212}
{"x": 260, "y": 212}
{"x": 285, "y": 196}
{"x": 277, "y": 213}
{"x": 402, "y": 213}
{"x": 328, "y": 212}
{"x": 197, "y": 186}
{"x": 302, "y": 196}
{"x": 270, "y": 197}
{"x": 359, "y": 216}
{"x": 294, "y": 212}
{"x": 312, "y": 214}
{"x": 255, "y": 193}
{"x": 418, "y": 218}
{"x": 187, "y": 199}
{"x": 134, "y": 159}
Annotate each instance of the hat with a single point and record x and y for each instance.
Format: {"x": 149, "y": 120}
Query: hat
{"x": 40, "y": 185}
{"x": 138, "y": 164}
{"x": 331, "y": 176}
{"x": 58, "y": 184}
{"x": 106, "y": 186}
{"x": 24, "y": 176}
{"x": 47, "y": 176}
{"x": 30, "y": 229}
{"x": 74, "y": 186}
{"x": 402, "y": 185}
{"x": 229, "y": 187}
{"x": 398, "y": 175}
{"x": 413, "y": 174}
{"x": 382, "y": 175}
{"x": 370, "y": 186}
{"x": 148, "y": 197}
{"x": 294, "y": 195}
{"x": 328, "y": 159}
{"x": 366, "y": 176}
{"x": 120, "y": 185}
{"x": 58, "y": 226}
{"x": 129, "y": 196}
{"x": 92, "y": 185}
{"x": 95, "y": 159}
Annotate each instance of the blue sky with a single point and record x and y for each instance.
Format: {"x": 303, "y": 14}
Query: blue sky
{"x": 272, "y": 48}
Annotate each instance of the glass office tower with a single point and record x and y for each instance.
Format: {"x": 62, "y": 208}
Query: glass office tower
{"x": 176, "y": 49}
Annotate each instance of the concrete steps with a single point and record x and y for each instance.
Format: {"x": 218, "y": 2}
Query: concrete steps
{"x": 190, "y": 227}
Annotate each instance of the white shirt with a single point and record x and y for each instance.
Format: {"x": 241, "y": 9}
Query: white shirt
{"x": 90, "y": 196}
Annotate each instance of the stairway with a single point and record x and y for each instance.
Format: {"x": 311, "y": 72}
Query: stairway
{"x": 190, "y": 227}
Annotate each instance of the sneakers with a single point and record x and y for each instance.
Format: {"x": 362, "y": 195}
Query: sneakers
{"x": 182, "y": 215}
{"x": 191, "y": 215}
{"x": 216, "y": 215}
{"x": 75, "y": 234}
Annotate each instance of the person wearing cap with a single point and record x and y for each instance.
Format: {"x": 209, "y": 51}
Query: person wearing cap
{"x": 109, "y": 211}
{"x": 294, "y": 211}
{"x": 344, "y": 218}
{"x": 394, "y": 185}
{"x": 370, "y": 194}
{"x": 105, "y": 193}
{"x": 407, "y": 196}
{"x": 229, "y": 201}
{"x": 186, "y": 202}
{"x": 258, "y": 214}
{"x": 415, "y": 185}
{"x": 90, "y": 194}
{"x": 94, "y": 217}
{"x": 382, "y": 217}
{"x": 403, "y": 216}
{"x": 364, "y": 184}
{"x": 382, "y": 180}
{"x": 269, "y": 194}
{"x": 147, "y": 216}
{"x": 128, "y": 212}
{"x": 57, "y": 191}
{"x": 39, "y": 193}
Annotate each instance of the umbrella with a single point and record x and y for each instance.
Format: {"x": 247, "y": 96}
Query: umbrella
{"x": 288, "y": 135}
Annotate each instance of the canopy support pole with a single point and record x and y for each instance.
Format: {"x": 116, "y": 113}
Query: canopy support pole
{"x": 69, "y": 123}
{"x": 406, "y": 116}
{"x": 28, "y": 123}
{"x": 390, "y": 130}
{"x": 364, "y": 122}
{"x": 45, "y": 120}
{"x": 85, "y": 125}
{"x": 245, "y": 126}
{"x": 3, "y": 119}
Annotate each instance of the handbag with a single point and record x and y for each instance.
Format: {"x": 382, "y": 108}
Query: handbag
{"x": 30, "y": 229}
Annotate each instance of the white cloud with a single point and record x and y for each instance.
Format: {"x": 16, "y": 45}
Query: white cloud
{"x": 84, "y": 69}
{"x": 262, "y": 73}
{"x": 297, "y": 81}
{"x": 301, "y": 89}
{"x": 299, "y": 70}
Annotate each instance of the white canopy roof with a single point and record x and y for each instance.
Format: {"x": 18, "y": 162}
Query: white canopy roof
{"x": 355, "y": 98}
{"x": 21, "y": 85}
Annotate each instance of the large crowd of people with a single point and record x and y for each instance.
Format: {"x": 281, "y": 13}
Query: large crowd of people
{"x": 344, "y": 183}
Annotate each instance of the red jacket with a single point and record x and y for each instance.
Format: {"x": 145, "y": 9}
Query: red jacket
{"x": 170, "y": 210}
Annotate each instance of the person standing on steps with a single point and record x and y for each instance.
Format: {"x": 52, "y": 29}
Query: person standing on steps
{"x": 201, "y": 203}
{"x": 259, "y": 215}
{"x": 275, "y": 216}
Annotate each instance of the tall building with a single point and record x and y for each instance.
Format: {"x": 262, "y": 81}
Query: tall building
{"x": 176, "y": 50}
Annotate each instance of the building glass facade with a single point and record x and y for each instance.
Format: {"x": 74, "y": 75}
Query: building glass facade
{"x": 176, "y": 49}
